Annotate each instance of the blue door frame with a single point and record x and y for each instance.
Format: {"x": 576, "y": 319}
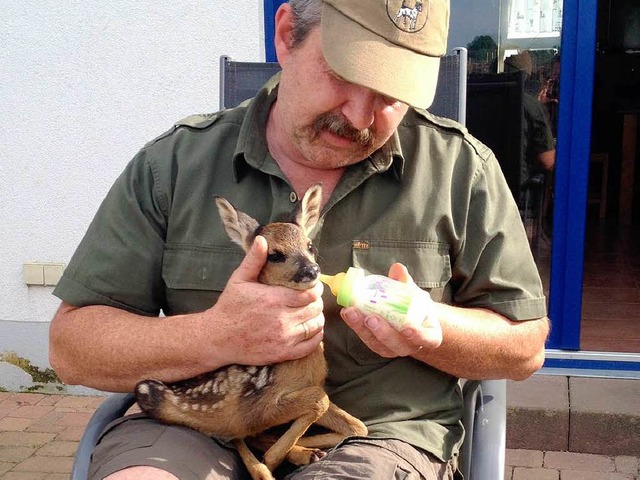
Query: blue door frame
{"x": 572, "y": 172}
{"x": 270, "y": 7}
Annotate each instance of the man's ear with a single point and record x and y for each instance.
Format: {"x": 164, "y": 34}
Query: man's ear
{"x": 283, "y": 32}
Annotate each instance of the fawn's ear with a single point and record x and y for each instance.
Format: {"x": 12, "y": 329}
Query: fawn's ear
{"x": 307, "y": 212}
{"x": 240, "y": 227}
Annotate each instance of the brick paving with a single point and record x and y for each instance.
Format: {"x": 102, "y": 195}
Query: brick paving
{"x": 39, "y": 434}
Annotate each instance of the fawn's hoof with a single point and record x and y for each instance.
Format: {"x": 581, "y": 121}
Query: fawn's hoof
{"x": 150, "y": 394}
{"x": 261, "y": 472}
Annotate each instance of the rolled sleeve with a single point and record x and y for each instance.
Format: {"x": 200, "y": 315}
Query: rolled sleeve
{"x": 119, "y": 261}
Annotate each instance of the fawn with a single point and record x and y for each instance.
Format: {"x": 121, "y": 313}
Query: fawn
{"x": 239, "y": 402}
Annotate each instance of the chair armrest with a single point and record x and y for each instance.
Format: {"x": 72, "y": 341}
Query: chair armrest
{"x": 485, "y": 420}
{"x": 113, "y": 407}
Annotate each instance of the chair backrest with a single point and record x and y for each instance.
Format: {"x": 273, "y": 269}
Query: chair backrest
{"x": 451, "y": 94}
{"x": 495, "y": 116}
{"x": 241, "y": 80}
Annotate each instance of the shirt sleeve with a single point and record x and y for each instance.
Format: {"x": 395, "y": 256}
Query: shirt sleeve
{"x": 118, "y": 262}
{"x": 494, "y": 267}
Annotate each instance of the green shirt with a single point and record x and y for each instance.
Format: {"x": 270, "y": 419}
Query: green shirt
{"x": 432, "y": 198}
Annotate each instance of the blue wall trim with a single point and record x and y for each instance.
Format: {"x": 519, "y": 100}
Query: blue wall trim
{"x": 270, "y": 7}
{"x": 581, "y": 364}
{"x": 572, "y": 171}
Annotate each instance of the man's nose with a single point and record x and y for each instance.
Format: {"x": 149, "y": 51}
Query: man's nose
{"x": 360, "y": 106}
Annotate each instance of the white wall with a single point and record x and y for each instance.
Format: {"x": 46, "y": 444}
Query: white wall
{"x": 83, "y": 85}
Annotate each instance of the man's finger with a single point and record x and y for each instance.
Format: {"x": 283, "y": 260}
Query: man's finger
{"x": 252, "y": 263}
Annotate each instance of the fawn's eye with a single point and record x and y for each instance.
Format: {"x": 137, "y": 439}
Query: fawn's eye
{"x": 276, "y": 257}
{"x": 312, "y": 249}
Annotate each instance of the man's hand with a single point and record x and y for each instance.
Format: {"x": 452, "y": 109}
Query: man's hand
{"x": 385, "y": 340}
{"x": 257, "y": 324}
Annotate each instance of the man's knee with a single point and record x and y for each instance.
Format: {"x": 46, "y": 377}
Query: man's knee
{"x": 141, "y": 473}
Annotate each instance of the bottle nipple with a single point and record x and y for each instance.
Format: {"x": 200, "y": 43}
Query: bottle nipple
{"x": 333, "y": 281}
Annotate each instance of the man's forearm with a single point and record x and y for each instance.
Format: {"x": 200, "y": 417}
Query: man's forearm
{"x": 481, "y": 344}
{"x": 111, "y": 349}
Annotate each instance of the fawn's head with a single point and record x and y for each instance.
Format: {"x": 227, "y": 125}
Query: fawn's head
{"x": 291, "y": 258}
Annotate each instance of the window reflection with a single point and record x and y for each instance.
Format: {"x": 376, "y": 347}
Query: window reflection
{"x": 514, "y": 63}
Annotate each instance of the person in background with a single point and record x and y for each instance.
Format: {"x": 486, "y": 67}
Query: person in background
{"x": 405, "y": 193}
{"x": 539, "y": 144}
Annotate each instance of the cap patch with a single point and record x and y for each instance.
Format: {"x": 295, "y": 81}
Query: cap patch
{"x": 408, "y": 15}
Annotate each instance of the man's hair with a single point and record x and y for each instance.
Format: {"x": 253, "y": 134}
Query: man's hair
{"x": 306, "y": 16}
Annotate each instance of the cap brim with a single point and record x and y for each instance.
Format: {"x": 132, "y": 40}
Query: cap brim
{"x": 362, "y": 57}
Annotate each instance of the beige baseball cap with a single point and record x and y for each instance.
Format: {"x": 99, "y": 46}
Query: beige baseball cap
{"x": 391, "y": 46}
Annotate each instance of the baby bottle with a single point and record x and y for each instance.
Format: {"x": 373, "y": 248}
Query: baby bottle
{"x": 398, "y": 303}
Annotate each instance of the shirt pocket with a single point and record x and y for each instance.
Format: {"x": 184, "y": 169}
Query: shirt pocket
{"x": 429, "y": 265}
{"x": 195, "y": 275}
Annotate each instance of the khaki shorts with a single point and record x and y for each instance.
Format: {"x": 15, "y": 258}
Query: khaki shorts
{"x": 138, "y": 440}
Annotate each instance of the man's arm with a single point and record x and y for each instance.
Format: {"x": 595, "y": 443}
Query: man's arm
{"x": 468, "y": 343}
{"x": 111, "y": 349}
{"x": 547, "y": 160}
{"x": 477, "y": 344}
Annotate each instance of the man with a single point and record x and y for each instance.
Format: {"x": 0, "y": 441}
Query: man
{"x": 539, "y": 146}
{"x": 399, "y": 186}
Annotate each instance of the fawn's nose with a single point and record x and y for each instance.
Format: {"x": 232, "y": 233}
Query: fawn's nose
{"x": 307, "y": 273}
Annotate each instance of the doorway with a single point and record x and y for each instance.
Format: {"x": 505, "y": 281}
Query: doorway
{"x": 611, "y": 283}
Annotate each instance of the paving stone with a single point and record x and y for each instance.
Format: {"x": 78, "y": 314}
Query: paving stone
{"x": 538, "y": 413}
{"x": 58, "y": 449}
{"x": 15, "y": 454}
{"x": 6, "y": 407}
{"x": 27, "y": 398}
{"x": 13, "y": 424}
{"x": 578, "y": 461}
{"x": 605, "y": 416}
{"x": 53, "y": 417}
{"x": 625, "y": 464}
{"x": 95, "y": 402}
{"x": 582, "y": 475}
{"x": 522, "y": 473}
{"x": 524, "y": 458}
{"x": 57, "y": 476}
{"x": 5, "y": 467}
{"x": 508, "y": 473}
{"x": 31, "y": 411}
{"x": 25, "y": 476}
{"x": 74, "y": 419}
{"x": 24, "y": 439}
{"x": 50, "y": 400}
{"x": 71, "y": 434}
{"x": 46, "y": 427}
{"x": 74, "y": 402}
{"x": 45, "y": 465}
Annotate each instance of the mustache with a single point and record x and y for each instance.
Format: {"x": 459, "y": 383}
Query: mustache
{"x": 339, "y": 126}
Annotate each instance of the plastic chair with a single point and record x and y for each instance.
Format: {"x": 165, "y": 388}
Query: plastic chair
{"x": 484, "y": 418}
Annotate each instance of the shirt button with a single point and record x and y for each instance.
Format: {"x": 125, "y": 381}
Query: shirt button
{"x": 293, "y": 197}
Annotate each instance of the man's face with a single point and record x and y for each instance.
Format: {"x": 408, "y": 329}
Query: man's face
{"x": 323, "y": 120}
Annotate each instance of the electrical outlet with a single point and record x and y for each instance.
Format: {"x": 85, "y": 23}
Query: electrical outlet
{"x": 37, "y": 273}
{"x": 52, "y": 273}
{"x": 33, "y": 273}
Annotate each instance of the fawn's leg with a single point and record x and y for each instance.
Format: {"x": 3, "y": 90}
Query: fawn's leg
{"x": 257, "y": 470}
{"x": 341, "y": 424}
{"x": 310, "y": 404}
{"x": 297, "y": 455}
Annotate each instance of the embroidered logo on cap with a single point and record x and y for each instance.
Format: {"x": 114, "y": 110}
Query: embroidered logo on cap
{"x": 408, "y": 15}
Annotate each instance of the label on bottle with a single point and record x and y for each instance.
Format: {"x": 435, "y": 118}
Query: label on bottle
{"x": 385, "y": 297}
